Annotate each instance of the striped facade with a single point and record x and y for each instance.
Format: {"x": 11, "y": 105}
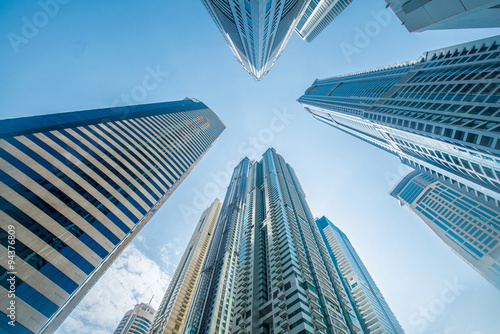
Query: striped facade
{"x": 136, "y": 321}
{"x": 318, "y": 15}
{"x": 371, "y": 307}
{"x": 256, "y": 31}
{"x": 439, "y": 114}
{"x": 470, "y": 227}
{"x": 172, "y": 312}
{"x": 77, "y": 187}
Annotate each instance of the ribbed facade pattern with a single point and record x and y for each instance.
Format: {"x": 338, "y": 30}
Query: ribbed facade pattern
{"x": 373, "y": 311}
{"x": 76, "y": 187}
{"x": 469, "y": 227}
{"x": 136, "y": 321}
{"x": 256, "y": 31}
{"x": 286, "y": 281}
{"x": 318, "y": 15}
{"x": 173, "y": 308}
{"x": 213, "y": 298}
{"x": 439, "y": 113}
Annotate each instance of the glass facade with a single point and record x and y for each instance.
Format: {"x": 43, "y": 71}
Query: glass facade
{"x": 439, "y": 113}
{"x": 318, "y": 15}
{"x": 76, "y": 187}
{"x": 373, "y": 311}
{"x": 256, "y": 31}
{"x": 268, "y": 269}
{"x": 468, "y": 226}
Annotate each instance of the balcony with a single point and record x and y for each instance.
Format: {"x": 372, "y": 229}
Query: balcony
{"x": 314, "y": 305}
{"x": 316, "y": 314}
{"x": 318, "y": 324}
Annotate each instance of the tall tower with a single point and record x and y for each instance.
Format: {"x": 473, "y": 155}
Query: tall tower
{"x": 286, "y": 281}
{"x": 256, "y": 31}
{"x": 318, "y": 15}
{"x": 470, "y": 227}
{"x": 77, "y": 187}
{"x": 417, "y": 15}
{"x": 373, "y": 311}
{"x": 439, "y": 114}
{"x": 170, "y": 316}
{"x": 212, "y": 302}
{"x": 136, "y": 321}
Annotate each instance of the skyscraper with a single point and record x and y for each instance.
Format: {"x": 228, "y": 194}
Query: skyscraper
{"x": 212, "y": 302}
{"x": 470, "y": 227}
{"x": 77, "y": 187}
{"x": 318, "y": 15}
{"x": 373, "y": 311}
{"x": 271, "y": 268}
{"x": 286, "y": 280}
{"x": 418, "y": 15}
{"x": 256, "y": 31}
{"x": 438, "y": 114}
{"x": 136, "y": 321}
{"x": 173, "y": 308}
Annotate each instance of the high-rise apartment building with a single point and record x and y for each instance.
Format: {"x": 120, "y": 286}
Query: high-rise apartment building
{"x": 211, "y": 305}
{"x": 76, "y": 187}
{"x": 256, "y": 31}
{"x": 470, "y": 227}
{"x": 269, "y": 267}
{"x": 421, "y": 15}
{"x": 439, "y": 114}
{"x": 286, "y": 281}
{"x": 136, "y": 321}
{"x": 172, "y": 312}
{"x": 373, "y": 311}
{"x": 318, "y": 15}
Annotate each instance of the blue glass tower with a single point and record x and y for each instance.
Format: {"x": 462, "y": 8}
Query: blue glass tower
{"x": 439, "y": 114}
{"x": 318, "y": 15}
{"x": 76, "y": 187}
{"x": 256, "y": 31}
{"x": 370, "y": 305}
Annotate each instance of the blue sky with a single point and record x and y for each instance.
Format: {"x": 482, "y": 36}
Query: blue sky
{"x": 93, "y": 54}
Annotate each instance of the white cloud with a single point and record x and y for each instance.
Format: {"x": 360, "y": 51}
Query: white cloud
{"x": 131, "y": 279}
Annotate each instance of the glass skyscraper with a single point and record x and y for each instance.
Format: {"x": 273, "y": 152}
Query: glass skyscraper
{"x": 212, "y": 302}
{"x": 373, "y": 311}
{"x": 256, "y": 31}
{"x": 268, "y": 269}
{"x": 76, "y": 188}
{"x": 439, "y": 113}
{"x": 172, "y": 312}
{"x": 318, "y": 15}
{"x": 470, "y": 227}
{"x": 418, "y": 15}
{"x": 286, "y": 281}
